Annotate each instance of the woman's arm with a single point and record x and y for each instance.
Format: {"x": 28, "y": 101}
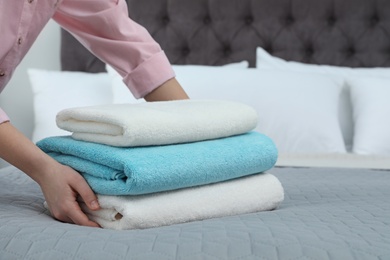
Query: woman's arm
{"x": 60, "y": 184}
{"x": 170, "y": 90}
{"x": 105, "y": 28}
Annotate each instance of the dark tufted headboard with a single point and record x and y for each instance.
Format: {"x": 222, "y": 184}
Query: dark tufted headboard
{"x": 354, "y": 33}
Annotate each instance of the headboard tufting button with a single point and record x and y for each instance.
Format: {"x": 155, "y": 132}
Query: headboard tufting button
{"x": 350, "y": 51}
{"x": 374, "y": 20}
{"x": 185, "y": 51}
{"x": 227, "y": 50}
{"x": 165, "y": 19}
{"x": 289, "y": 20}
{"x": 309, "y": 51}
{"x": 269, "y": 49}
{"x": 331, "y": 21}
{"x": 207, "y": 20}
{"x": 249, "y": 20}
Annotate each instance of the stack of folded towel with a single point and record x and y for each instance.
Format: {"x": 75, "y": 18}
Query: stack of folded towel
{"x": 162, "y": 163}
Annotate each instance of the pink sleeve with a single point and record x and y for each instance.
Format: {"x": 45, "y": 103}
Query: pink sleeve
{"x": 104, "y": 27}
{"x": 3, "y": 116}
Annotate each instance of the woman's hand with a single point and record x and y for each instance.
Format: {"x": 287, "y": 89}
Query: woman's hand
{"x": 61, "y": 188}
{"x": 60, "y": 184}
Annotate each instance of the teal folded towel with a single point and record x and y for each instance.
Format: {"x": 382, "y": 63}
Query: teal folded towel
{"x": 140, "y": 170}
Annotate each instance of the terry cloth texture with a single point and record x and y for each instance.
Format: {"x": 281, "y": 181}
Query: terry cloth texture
{"x": 158, "y": 123}
{"x": 140, "y": 170}
{"x": 254, "y": 193}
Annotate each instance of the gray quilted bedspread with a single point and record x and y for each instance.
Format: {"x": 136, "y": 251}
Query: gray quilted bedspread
{"x": 327, "y": 214}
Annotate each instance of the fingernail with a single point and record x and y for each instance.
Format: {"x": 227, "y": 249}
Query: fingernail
{"x": 94, "y": 204}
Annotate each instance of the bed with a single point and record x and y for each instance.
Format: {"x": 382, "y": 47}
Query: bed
{"x": 337, "y": 191}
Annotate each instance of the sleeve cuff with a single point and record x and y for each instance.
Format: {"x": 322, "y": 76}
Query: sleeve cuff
{"x": 3, "y": 116}
{"x": 149, "y": 75}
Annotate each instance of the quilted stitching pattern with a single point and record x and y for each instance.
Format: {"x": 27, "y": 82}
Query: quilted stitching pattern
{"x": 327, "y": 214}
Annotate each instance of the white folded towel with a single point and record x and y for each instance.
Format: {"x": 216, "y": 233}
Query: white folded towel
{"x": 158, "y": 123}
{"x": 258, "y": 192}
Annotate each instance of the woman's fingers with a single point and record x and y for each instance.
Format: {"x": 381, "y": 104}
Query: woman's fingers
{"x": 61, "y": 190}
{"x": 88, "y": 196}
{"x": 79, "y": 218}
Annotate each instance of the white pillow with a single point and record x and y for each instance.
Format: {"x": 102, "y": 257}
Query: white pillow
{"x": 238, "y": 65}
{"x": 265, "y": 60}
{"x": 121, "y": 94}
{"x": 297, "y": 110}
{"x": 57, "y": 90}
{"x": 371, "y": 111}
